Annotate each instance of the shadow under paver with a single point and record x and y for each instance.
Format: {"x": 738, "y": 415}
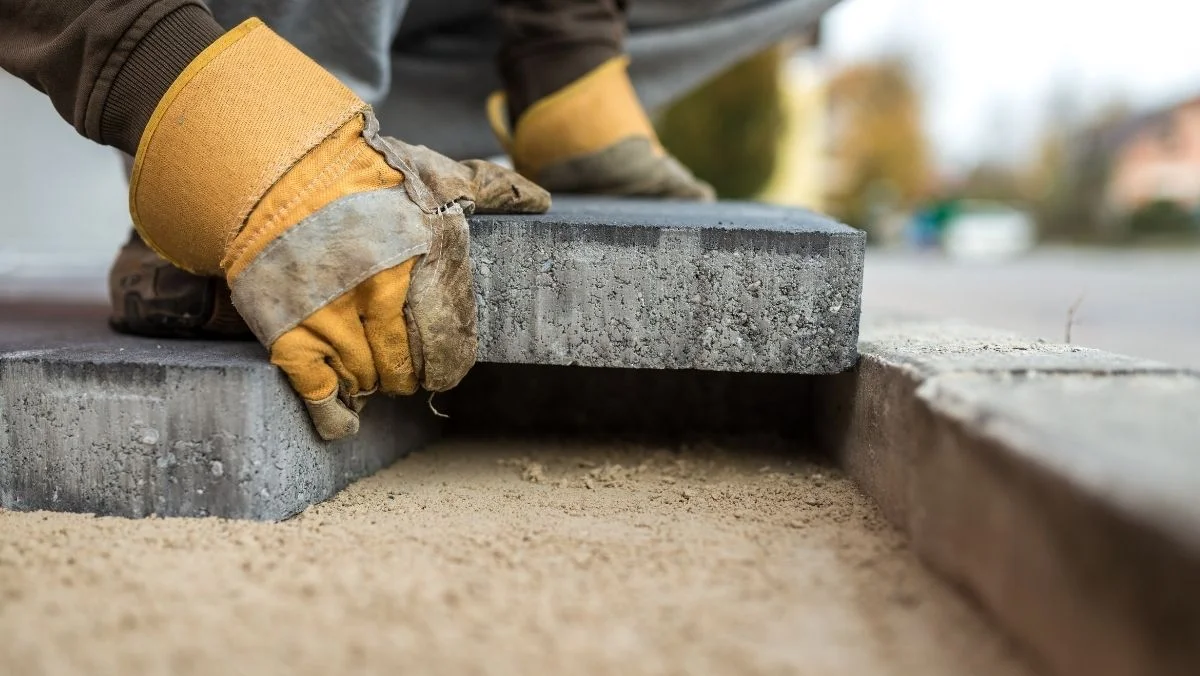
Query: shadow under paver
{"x": 91, "y": 421}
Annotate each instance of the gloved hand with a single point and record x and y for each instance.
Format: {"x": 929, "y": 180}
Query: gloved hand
{"x": 593, "y": 137}
{"x": 346, "y": 251}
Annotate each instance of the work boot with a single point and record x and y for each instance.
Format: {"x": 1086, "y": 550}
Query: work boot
{"x": 593, "y": 137}
{"x": 151, "y": 297}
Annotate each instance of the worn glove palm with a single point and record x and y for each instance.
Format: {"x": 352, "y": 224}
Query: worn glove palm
{"x": 346, "y": 251}
{"x": 593, "y": 137}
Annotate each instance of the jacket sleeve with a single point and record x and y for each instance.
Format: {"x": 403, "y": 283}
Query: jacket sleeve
{"x": 104, "y": 63}
{"x": 547, "y": 44}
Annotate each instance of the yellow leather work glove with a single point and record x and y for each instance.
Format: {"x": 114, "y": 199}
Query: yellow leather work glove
{"x": 593, "y": 137}
{"x": 346, "y": 251}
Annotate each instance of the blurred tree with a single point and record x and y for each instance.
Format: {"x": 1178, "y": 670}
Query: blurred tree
{"x": 880, "y": 154}
{"x": 727, "y": 131}
{"x": 1069, "y": 177}
{"x": 997, "y": 182}
{"x": 1161, "y": 218}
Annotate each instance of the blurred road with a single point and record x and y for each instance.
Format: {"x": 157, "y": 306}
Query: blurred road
{"x": 64, "y": 215}
{"x": 1142, "y": 303}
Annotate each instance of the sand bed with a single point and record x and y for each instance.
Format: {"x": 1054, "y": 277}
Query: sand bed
{"x": 509, "y": 557}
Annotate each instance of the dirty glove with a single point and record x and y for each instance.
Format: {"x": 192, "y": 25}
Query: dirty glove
{"x": 593, "y": 137}
{"x": 346, "y": 252}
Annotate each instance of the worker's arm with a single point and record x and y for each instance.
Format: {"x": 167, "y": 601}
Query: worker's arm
{"x": 104, "y": 63}
{"x": 569, "y": 116}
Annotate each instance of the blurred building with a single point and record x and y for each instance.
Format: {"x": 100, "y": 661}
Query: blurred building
{"x": 1156, "y": 158}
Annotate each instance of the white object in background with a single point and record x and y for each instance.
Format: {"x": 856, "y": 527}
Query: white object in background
{"x": 995, "y": 233}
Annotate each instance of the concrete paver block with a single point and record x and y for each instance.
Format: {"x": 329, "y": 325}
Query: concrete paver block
{"x": 672, "y": 285}
{"x": 95, "y": 422}
{"x": 1056, "y": 484}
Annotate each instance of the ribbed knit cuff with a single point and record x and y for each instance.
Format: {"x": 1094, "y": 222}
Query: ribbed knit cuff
{"x": 148, "y": 72}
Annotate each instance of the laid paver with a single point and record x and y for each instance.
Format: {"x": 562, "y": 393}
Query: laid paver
{"x": 92, "y": 421}
{"x": 1056, "y": 484}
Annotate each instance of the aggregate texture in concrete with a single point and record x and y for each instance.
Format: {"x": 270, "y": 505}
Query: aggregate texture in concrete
{"x": 669, "y": 285}
{"x": 1056, "y": 484}
{"x": 91, "y": 421}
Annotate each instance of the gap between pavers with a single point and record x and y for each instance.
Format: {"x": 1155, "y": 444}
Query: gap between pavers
{"x": 1060, "y": 486}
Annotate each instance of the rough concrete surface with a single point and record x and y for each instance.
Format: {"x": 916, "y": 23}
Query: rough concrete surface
{"x": 652, "y": 284}
{"x": 935, "y": 347}
{"x": 91, "y": 421}
{"x": 1056, "y": 484}
{"x": 503, "y": 558}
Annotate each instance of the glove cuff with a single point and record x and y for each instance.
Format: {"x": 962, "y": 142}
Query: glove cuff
{"x": 241, "y": 114}
{"x": 591, "y": 114}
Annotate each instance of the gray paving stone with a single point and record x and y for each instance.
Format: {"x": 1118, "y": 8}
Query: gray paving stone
{"x": 95, "y": 422}
{"x": 653, "y": 284}
{"x": 1057, "y": 485}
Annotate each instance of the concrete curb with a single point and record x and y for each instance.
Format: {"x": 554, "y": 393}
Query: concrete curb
{"x": 1059, "y": 486}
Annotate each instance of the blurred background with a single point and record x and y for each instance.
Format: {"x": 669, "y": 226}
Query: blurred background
{"x": 1028, "y": 164}
{"x": 1031, "y": 165}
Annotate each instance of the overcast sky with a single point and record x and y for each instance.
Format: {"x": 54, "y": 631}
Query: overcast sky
{"x": 989, "y": 64}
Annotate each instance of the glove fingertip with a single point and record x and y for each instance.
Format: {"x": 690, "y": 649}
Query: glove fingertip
{"x": 706, "y": 193}
{"x": 499, "y": 190}
{"x": 331, "y": 418}
{"x": 529, "y": 197}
